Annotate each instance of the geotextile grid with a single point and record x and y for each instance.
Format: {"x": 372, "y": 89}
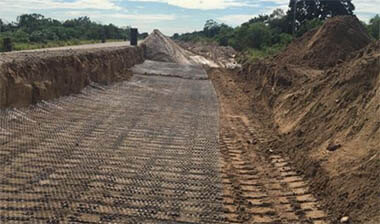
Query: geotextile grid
{"x": 142, "y": 151}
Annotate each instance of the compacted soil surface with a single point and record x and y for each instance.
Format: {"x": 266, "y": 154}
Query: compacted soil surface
{"x": 259, "y": 186}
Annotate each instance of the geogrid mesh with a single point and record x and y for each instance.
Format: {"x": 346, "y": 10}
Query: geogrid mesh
{"x": 143, "y": 151}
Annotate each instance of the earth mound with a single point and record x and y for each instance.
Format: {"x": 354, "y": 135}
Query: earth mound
{"x": 158, "y": 47}
{"x": 328, "y": 45}
{"x": 339, "y": 107}
{"x": 323, "y": 92}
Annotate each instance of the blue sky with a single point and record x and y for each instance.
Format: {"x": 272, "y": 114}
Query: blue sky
{"x": 170, "y": 16}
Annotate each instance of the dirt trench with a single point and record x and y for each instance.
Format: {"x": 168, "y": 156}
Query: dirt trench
{"x": 260, "y": 186}
{"x": 29, "y": 77}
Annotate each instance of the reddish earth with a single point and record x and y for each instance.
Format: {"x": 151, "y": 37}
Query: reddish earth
{"x": 319, "y": 107}
{"x": 32, "y": 76}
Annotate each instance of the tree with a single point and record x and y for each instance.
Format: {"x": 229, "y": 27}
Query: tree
{"x": 142, "y": 36}
{"x": 30, "y": 22}
{"x": 309, "y": 25}
{"x": 1, "y": 25}
{"x": 211, "y": 28}
{"x": 254, "y": 35}
{"x": 175, "y": 36}
{"x": 305, "y": 10}
{"x": 259, "y": 35}
{"x": 224, "y": 35}
{"x": 374, "y": 27}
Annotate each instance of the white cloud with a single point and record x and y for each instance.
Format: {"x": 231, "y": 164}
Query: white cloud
{"x": 236, "y": 20}
{"x": 367, "y": 6}
{"x": 204, "y": 4}
{"x": 18, "y": 5}
{"x": 143, "y": 18}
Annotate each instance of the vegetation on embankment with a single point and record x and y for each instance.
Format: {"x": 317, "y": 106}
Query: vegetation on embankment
{"x": 269, "y": 34}
{"x": 33, "y": 31}
{"x": 59, "y": 43}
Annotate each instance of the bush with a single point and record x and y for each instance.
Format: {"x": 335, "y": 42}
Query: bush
{"x": 309, "y": 25}
{"x": 374, "y": 27}
{"x": 20, "y": 36}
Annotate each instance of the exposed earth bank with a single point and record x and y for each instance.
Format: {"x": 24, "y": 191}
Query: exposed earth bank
{"x": 29, "y": 77}
{"x": 319, "y": 103}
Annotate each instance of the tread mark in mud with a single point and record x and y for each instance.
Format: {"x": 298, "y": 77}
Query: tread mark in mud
{"x": 259, "y": 189}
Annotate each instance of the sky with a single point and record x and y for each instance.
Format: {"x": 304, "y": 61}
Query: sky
{"x": 169, "y": 16}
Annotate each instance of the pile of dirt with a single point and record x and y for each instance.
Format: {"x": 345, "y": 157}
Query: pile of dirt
{"x": 328, "y": 45}
{"x": 336, "y": 118}
{"x": 327, "y": 120}
{"x": 158, "y": 47}
{"x": 29, "y": 77}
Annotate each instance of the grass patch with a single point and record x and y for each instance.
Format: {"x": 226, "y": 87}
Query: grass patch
{"x": 32, "y": 45}
{"x": 251, "y": 55}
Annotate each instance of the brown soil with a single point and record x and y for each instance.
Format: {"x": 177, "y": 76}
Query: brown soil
{"x": 326, "y": 121}
{"x": 259, "y": 186}
{"x": 328, "y": 45}
{"x": 28, "y": 77}
{"x": 158, "y": 47}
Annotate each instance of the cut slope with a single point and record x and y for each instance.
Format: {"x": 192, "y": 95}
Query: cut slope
{"x": 328, "y": 119}
{"x": 29, "y": 77}
{"x": 312, "y": 110}
{"x": 326, "y": 46}
{"x": 341, "y": 108}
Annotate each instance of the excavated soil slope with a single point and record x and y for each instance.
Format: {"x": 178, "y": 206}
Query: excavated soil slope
{"x": 328, "y": 121}
{"x": 328, "y": 45}
{"x": 29, "y": 77}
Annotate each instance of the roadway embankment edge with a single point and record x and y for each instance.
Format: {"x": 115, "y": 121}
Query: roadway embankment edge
{"x": 29, "y": 77}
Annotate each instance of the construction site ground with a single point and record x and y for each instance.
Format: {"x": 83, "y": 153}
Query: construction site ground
{"x": 141, "y": 151}
{"x": 288, "y": 139}
{"x": 147, "y": 150}
{"x": 259, "y": 186}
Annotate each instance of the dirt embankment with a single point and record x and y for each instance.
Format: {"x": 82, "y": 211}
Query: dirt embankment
{"x": 325, "y": 47}
{"x": 26, "y": 78}
{"x": 322, "y": 97}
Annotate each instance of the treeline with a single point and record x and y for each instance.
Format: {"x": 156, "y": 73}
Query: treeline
{"x": 35, "y": 28}
{"x": 267, "y": 34}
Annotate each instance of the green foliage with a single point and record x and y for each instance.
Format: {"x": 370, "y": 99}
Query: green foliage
{"x": 211, "y": 28}
{"x": 305, "y": 10}
{"x": 36, "y": 30}
{"x": 253, "y": 54}
{"x": 265, "y": 34}
{"x": 374, "y": 27}
{"x": 309, "y": 25}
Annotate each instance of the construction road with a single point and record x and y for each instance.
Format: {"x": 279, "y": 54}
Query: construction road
{"x": 141, "y": 151}
{"x": 145, "y": 151}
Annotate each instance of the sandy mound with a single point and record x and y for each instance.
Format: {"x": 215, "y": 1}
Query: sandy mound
{"x": 161, "y": 48}
{"x": 328, "y": 45}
